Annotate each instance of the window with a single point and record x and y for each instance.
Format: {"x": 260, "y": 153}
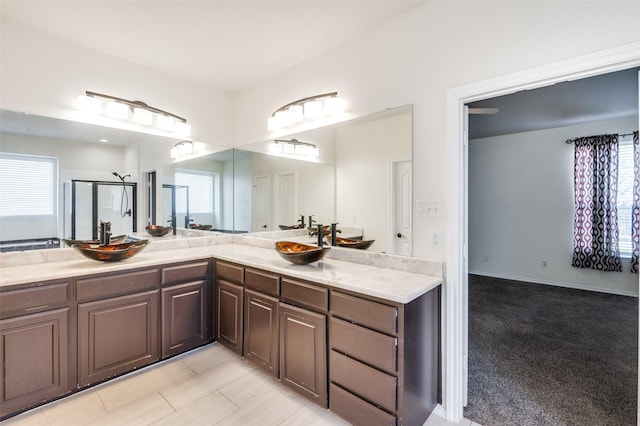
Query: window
{"x": 625, "y": 194}
{"x": 200, "y": 189}
{"x": 28, "y": 185}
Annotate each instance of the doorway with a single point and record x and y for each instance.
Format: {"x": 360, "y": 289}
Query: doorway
{"x": 401, "y": 215}
{"x": 520, "y": 229}
{"x": 455, "y": 302}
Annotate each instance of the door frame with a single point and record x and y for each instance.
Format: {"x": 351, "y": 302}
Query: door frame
{"x": 455, "y": 299}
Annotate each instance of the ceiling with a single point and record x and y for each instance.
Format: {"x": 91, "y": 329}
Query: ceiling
{"x": 228, "y": 45}
{"x": 233, "y": 45}
{"x": 603, "y": 97}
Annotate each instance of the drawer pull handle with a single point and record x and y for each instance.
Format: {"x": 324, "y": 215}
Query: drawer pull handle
{"x": 36, "y": 307}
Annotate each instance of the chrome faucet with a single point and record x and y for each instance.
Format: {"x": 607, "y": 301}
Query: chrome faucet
{"x": 334, "y": 240}
{"x": 320, "y": 235}
{"x": 105, "y": 233}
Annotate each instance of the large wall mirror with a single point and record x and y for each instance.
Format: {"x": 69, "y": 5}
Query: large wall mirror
{"x": 360, "y": 180}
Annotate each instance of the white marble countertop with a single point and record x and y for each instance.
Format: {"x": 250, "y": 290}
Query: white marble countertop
{"x": 395, "y": 278}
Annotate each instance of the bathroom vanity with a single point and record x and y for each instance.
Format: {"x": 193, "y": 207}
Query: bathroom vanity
{"x": 361, "y": 340}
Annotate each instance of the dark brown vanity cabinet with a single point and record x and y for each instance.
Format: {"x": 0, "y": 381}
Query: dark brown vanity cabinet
{"x": 303, "y": 338}
{"x": 261, "y": 319}
{"x": 118, "y": 324}
{"x": 229, "y": 305}
{"x": 36, "y": 339}
{"x": 186, "y": 313}
{"x": 384, "y": 359}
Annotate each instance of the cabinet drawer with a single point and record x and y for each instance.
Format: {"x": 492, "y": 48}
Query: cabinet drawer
{"x": 356, "y": 410}
{"x": 304, "y": 294}
{"x": 367, "y": 382}
{"x": 262, "y": 281}
{"x": 183, "y": 273}
{"x": 113, "y": 285}
{"x": 373, "y": 348}
{"x": 230, "y": 272}
{"x": 361, "y": 311}
{"x": 35, "y": 298}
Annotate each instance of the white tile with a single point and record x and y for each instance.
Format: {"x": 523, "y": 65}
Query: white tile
{"x": 129, "y": 389}
{"x": 205, "y": 383}
{"x": 208, "y": 410}
{"x": 74, "y": 410}
{"x": 271, "y": 408}
{"x": 144, "y": 412}
{"x": 247, "y": 388}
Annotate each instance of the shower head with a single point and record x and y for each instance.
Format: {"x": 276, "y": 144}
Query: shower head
{"x": 122, "y": 178}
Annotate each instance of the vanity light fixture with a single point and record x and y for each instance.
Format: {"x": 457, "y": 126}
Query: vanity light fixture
{"x": 311, "y": 107}
{"x": 134, "y": 111}
{"x": 294, "y": 146}
{"x": 181, "y": 149}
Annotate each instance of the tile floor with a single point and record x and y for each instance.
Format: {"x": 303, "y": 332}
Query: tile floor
{"x": 207, "y": 386}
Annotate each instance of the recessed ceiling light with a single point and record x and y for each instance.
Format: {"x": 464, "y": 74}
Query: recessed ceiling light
{"x": 104, "y": 140}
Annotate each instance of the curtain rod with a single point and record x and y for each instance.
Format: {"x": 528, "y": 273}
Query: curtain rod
{"x": 570, "y": 141}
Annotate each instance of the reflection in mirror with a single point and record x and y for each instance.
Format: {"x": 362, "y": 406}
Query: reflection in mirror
{"x": 271, "y": 191}
{"x": 77, "y": 154}
{"x": 198, "y": 193}
{"x": 361, "y": 180}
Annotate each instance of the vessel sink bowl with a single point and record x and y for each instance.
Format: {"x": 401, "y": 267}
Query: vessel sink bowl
{"x": 352, "y": 243}
{"x": 200, "y": 227}
{"x": 111, "y": 252}
{"x": 158, "y": 231}
{"x": 288, "y": 227}
{"x": 300, "y": 254}
{"x": 116, "y": 239}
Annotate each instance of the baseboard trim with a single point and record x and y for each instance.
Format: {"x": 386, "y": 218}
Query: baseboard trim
{"x": 554, "y": 283}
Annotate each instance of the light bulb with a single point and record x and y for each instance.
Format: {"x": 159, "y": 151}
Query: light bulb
{"x": 312, "y": 109}
{"x": 117, "y": 110}
{"x": 333, "y": 105}
{"x": 142, "y": 116}
{"x": 164, "y": 122}
{"x": 89, "y": 104}
{"x": 295, "y": 113}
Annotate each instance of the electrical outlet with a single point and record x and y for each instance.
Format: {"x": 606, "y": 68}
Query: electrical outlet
{"x": 436, "y": 239}
{"x": 485, "y": 258}
{"x": 545, "y": 263}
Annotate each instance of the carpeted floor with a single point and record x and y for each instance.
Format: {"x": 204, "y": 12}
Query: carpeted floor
{"x": 545, "y": 355}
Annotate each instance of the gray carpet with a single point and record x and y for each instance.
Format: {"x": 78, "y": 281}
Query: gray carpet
{"x": 545, "y": 355}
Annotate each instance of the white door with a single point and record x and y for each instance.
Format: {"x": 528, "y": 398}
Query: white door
{"x": 261, "y": 202}
{"x": 285, "y": 201}
{"x": 402, "y": 208}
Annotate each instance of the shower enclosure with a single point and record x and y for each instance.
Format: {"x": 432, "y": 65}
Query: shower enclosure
{"x": 86, "y": 203}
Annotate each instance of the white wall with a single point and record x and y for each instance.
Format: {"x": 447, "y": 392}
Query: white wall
{"x": 521, "y": 208}
{"x": 415, "y": 58}
{"x": 44, "y": 76}
{"x": 364, "y": 156}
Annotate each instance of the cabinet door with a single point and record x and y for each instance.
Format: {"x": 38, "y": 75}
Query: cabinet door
{"x": 303, "y": 352}
{"x": 229, "y": 315}
{"x": 117, "y": 335}
{"x": 183, "y": 317}
{"x": 34, "y": 355}
{"x": 261, "y": 330}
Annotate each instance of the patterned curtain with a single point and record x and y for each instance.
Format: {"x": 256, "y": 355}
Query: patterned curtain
{"x": 595, "y": 235}
{"x": 635, "y": 213}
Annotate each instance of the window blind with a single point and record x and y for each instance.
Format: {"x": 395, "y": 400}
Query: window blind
{"x": 28, "y": 185}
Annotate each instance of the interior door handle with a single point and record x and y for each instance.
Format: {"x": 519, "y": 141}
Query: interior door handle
{"x": 399, "y": 235}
